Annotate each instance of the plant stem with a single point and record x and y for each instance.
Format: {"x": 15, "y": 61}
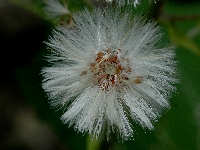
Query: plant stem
{"x": 102, "y": 144}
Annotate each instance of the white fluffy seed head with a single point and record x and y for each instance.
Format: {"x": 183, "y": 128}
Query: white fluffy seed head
{"x": 109, "y": 73}
{"x": 55, "y": 9}
{"x": 134, "y": 2}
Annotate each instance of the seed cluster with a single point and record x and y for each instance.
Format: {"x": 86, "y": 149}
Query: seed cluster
{"x": 108, "y": 71}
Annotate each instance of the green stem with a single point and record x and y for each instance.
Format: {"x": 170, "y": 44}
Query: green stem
{"x": 93, "y": 144}
{"x": 102, "y": 144}
{"x": 180, "y": 39}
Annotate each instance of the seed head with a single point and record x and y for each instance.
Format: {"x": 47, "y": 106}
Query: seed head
{"x": 54, "y": 8}
{"x": 134, "y": 2}
{"x": 110, "y": 72}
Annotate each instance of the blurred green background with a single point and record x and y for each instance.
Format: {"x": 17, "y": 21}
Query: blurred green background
{"x": 28, "y": 123}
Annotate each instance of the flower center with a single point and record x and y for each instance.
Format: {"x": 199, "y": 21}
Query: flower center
{"x": 110, "y": 70}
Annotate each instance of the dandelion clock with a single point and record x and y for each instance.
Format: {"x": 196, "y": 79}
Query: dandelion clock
{"x": 55, "y": 9}
{"x": 109, "y": 72}
{"x": 134, "y": 2}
